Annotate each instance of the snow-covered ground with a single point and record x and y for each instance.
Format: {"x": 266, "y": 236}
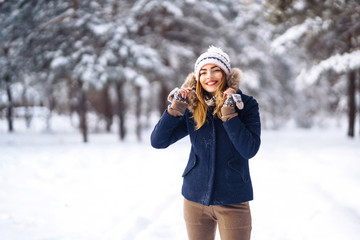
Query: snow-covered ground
{"x": 52, "y": 186}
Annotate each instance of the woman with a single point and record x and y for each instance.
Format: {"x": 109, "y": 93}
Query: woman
{"x": 224, "y": 129}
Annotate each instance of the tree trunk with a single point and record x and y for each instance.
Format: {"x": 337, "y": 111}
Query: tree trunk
{"x": 351, "y": 95}
{"x": 50, "y": 104}
{"x": 10, "y": 106}
{"x": 82, "y": 112}
{"x": 138, "y": 112}
{"x": 351, "y": 102}
{"x": 358, "y": 88}
{"x": 27, "y": 113}
{"x": 121, "y": 109}
{"x": 75, "y": 5}
{"x": 164, "y": 92}
{"x": 107, "y": 106}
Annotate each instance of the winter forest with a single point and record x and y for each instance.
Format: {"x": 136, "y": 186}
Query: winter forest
{"x": 82, "y": 84}
{"x": 110, "y": 64}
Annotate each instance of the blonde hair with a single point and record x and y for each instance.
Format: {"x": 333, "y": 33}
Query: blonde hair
{"x": 201, "y": 109}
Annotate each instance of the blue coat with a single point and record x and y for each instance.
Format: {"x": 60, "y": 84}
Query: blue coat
{"x": 217, "y": 172}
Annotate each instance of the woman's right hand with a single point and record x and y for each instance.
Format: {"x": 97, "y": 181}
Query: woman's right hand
{"x": 179, "y": 94}
{"x": 178, "y": 105}
{"x": 184, "y": 92}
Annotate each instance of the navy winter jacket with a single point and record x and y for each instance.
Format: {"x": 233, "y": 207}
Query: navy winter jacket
{"x": 217, "y": 172}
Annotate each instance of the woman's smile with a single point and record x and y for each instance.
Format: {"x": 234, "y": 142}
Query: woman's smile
{"x": 212, "y": 82}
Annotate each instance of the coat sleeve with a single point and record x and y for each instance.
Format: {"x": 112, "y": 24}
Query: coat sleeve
{"x": 168, "y": 130}
{"x": 244, "y": 132}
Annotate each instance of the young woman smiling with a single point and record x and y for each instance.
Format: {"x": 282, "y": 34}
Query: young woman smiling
{"x": 224, "y": 129}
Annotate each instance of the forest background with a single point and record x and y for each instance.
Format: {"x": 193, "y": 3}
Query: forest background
{"x": 108, "y": 65}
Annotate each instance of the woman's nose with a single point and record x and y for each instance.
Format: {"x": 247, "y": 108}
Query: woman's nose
{"x": 209, "y": 74}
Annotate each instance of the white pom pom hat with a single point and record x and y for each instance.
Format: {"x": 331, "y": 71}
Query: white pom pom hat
{"x": 213, "y": 55}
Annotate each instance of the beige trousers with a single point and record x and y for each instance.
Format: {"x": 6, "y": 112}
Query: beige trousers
{"x": 234, "y": 221}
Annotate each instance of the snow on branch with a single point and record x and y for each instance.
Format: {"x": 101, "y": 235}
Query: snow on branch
{"x": 288, "y": 39}
{"x": 57, "y": 19}
{"x": 101, "y": 29}
{"x": 143, "y": 6}
{"x": 59, "y": 62}
{"x": 172, "y": 8}
{"x": 338, "y": 63}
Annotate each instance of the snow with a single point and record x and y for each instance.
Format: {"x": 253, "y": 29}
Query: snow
{"x": 53, "y": 186}
{"x": 141, "y": 81}
{"x": 251, "y": 79}
{"x": 172, "y": 8}
{"x": 288, "y": 39}
{"x": 129, "y": 73}
{"x": 100, "y": 29}
{"x": 338, "y": 63}
{"x": 58, "y": 62}
{"x": 300, "y": 5}
{"x": 253, "y": 54}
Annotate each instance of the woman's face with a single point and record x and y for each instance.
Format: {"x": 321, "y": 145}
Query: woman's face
{"x": 210, "y": 78}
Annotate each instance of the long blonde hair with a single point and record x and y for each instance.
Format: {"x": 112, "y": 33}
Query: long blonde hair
{"x": 202, "y": 108}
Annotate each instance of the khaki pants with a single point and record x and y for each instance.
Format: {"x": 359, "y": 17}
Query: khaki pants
{"x": 234, "y": 221}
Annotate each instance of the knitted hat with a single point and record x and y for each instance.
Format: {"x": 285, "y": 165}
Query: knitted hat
{"x": 215, "y": 56}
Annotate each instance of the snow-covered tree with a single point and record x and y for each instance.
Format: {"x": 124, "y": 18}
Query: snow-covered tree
{"x": 324, "y": 37}
{"x": 122, "y": 58}
{"x": 84, "y": 44}
{"x": 181, "y": 30}
{"x": 267, "y": 75}
{"x": 15, "y": 26}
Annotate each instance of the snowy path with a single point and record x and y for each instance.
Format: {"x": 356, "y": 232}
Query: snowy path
{"x": 306, "y": 183}
{"x": 54, "y": 187}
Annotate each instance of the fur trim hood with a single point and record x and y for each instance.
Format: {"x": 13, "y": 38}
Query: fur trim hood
{"x": 234, "y": 80}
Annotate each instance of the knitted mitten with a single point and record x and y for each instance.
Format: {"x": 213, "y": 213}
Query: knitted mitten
{"x": 228, "y": 109}
{"x": 178, "y": 104}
